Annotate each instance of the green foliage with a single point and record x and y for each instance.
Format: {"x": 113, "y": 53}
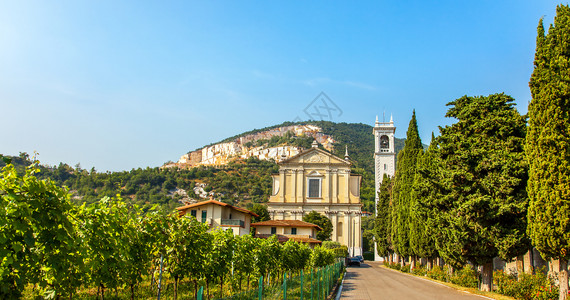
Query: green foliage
{"x": 425, "y": 191}
{"x": 261, "y": 211}
{"x": 323, "y": 222}
{"x": 547, "y": 140}
{"x": 466, "y": 277}
{"x": 526, "y": 286}
{"x": 330, "y": 244}
{"x": 403, "y": 199}
{"x": 39, "y": 243}
{"x": 419, "y": 270}
{"x": 438, "y": 273}
{"x": 482, "y": 173}
{"x": 321, "y": 257}
{"x": 383, "y": 220}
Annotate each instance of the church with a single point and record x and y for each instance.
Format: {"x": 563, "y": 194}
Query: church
{"x": 316, "y": 180}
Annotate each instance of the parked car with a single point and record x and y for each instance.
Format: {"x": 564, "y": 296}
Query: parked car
{"x": 360, "y": 258}
{"x": 354, "y": 261}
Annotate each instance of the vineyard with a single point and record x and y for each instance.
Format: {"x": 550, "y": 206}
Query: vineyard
{"x": 54, "y": 249}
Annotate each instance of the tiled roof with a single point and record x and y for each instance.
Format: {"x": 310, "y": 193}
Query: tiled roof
{"x": 286, "y": 223}
{"x": 182, "y": 209}
{"x": 284, "y": 239}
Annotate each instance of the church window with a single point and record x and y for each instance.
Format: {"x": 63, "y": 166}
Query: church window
{"x": 293, "y": 230}
{"x": 384, "y": 142}
{"x": 385, "y": 167}
{"x": 314, "y": 188}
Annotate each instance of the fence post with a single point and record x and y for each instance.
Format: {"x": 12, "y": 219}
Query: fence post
{"x": 301, "y": 284}
{"x": 285, "y": 286}
{"x": 312, "y": 271}
{"x": 260, "y": 292}
{"x": 200, "y": 293}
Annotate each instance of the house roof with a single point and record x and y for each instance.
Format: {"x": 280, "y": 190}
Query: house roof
{"x": 182, "y": 209}
{"x": 286, "y": 223}
{"x": 283, "y": 239}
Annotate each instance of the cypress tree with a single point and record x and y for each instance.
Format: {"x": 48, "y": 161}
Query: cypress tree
{"x": 422, "y": 237}
{"x": 383, "y": 220}
{"x": 403, "y": 183}
{"x": 548, "y": 144}
{"x": 482, "y": 212}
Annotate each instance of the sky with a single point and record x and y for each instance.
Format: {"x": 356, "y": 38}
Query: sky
{"x": 117, "y": 85}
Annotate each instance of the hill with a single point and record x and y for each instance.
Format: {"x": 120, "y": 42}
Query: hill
{"x": 241, "y": 177}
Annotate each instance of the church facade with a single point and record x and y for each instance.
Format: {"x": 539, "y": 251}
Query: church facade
{"x": 315, "y": 180}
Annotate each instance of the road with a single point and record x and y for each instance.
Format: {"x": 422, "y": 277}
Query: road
{"x": 370, "y": 281}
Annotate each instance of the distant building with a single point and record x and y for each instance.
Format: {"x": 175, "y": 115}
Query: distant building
{"x": 299, "y": 231}
{"x": 219, "y": 215}
{"x": 315, "y": 180}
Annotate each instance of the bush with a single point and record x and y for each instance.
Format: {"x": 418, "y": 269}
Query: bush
{"x": 437, "y": 273}
{"x": 405, "y": 268}
{"x": 419, "y": 270}
{"x": 393, "y": 265}
{"x": 526, "y": 286}
{"x": 466, "y": 277}
{"x": 368, "y": 256}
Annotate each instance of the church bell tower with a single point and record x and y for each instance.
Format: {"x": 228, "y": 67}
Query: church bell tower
{"x": 384, "y": 158}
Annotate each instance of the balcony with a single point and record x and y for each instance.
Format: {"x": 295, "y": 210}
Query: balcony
{"x": 229, "y": 222}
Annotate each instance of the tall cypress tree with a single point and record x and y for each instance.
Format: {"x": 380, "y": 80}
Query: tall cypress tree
{"x": 482, "y": 213}
{"x": 548, "y": 144}
{"x": 383, "y": 220}
{"x": 403, "y": 183}
{"x": 422, "y": 237}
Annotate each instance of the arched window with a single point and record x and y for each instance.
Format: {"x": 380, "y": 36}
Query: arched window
{"x": 384, "y": 142}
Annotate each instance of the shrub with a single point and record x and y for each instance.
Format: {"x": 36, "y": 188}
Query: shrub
{"x": 527, "y": 287}
{"x": 466, "y": 277}
{"x": 405, "y": 268}
{"x": 419, "y": 270}
{"x": 437, "y": 273}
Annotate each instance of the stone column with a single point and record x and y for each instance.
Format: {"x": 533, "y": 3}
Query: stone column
{"x": 294, "y": 182}
{"x": 281, "y": 185}
{"x": 334, "y": 181}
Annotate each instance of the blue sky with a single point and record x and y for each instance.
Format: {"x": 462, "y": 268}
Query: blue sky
{"x": 117, "y": 85}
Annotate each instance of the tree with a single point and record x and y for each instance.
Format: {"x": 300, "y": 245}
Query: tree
{"x": 422, "y": 235}
{"x": 402, "y": 190}
{"x": 547, "y": 144}
{"x": 38, "y": 238}
{"x": 484, "y": 173}
{"x": 383, "y": 220}
{"x": 323, "y": 222}
{"x": 261, "y": 211}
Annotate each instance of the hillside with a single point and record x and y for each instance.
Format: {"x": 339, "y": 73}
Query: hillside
{"x": 230, "y": 176}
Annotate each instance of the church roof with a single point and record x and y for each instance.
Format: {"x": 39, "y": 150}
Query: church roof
{"x": 333, "y": 158}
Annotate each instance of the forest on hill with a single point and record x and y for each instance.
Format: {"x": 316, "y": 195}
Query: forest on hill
{"x": 240, "y": 182}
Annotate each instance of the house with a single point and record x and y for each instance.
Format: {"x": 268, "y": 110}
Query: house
{"x": 299, "y": 231}
{"x": 219, "y": 215}
{"x": 316, "y": 180}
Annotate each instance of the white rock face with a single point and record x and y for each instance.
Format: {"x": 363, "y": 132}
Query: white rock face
{"x": 222, "y": 153}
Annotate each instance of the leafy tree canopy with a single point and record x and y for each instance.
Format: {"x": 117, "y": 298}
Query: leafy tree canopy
{"x": 323, "y": 222}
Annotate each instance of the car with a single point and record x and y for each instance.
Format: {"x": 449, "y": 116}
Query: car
{"x": 354, "y": 261}
{"x": 360, "y": 258}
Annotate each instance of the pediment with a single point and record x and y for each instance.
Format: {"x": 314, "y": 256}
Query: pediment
{"x": 315, "y": 156}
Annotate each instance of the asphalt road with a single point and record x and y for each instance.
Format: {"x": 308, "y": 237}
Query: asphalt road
{"x": 370, "y": 281}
